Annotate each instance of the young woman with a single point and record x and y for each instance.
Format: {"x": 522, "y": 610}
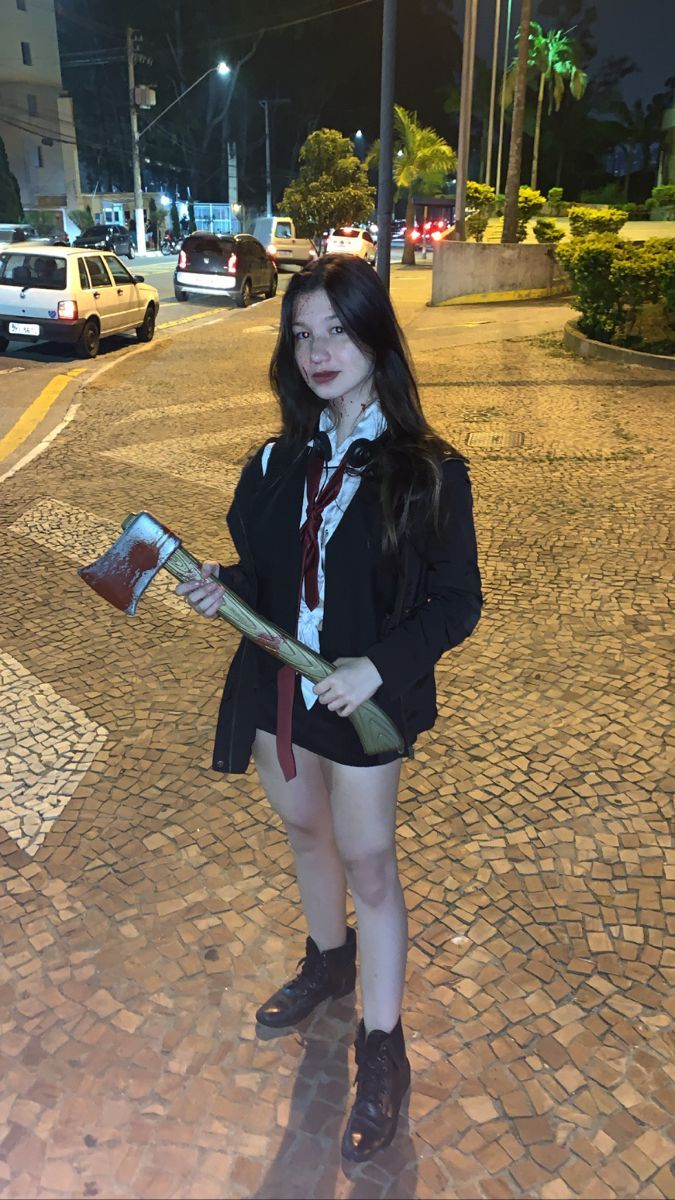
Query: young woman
{"x": 354, "y": 530}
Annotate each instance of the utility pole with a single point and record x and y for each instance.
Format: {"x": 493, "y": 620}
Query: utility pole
{"x": 493, "y": 86}
{"x": 135, "y": 152}
{"x": 465, "y": 103}
{"x": 265, "y": 104}
{"x": 385, "y": 188}
{"x": 507, "y": 43}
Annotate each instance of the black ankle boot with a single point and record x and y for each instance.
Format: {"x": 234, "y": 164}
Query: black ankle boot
{"x": 331, "y": 973}
{"x": 382, "y": 1079}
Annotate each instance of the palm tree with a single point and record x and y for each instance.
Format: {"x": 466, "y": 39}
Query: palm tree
{"x": 422, "y": 159}
{"x": 553, "y": 56}
{"x": 510, "y": 227}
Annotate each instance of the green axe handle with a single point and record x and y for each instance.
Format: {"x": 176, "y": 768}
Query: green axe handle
{"x": 377, "y": 733}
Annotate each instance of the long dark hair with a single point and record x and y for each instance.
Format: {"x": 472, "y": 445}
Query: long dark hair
{"x": 407, "y": 459}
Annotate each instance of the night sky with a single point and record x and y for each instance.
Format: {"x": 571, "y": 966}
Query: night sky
{"x": 643, "y": 30}
{"x": 321, "y": 71}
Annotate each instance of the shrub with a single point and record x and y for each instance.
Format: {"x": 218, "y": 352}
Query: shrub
{"x": 588, "y": 263}
{"x": 554, "y": 203}
{"x": 481, "y": 198}
{"x": 662, "y": 201}
{"x": 529, "y": 203}
{"x": 614, "y": 280}
{"x": 663, "y": 196}
{"x": 546, "y": 230}
{"x": 634, "y": 212}
{"x": 591, "y": 220}
{"x": 609, "y": 193}
{"x": 82, "y": 218}
{"x": 476, "y": 223}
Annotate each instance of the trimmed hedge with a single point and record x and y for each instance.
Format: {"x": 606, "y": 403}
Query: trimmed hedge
{"x": 530, "y": 202}
{"x": 547, "y": 230}
{"x": 614, "y": 281}
{"x": 593, "y": 220}
{"x": 481, "y": 198}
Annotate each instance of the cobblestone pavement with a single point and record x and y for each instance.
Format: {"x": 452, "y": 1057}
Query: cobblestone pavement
{"x": 148, "y": 906}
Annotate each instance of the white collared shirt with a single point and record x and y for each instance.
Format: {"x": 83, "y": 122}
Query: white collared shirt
{"x": 371, "y": 425}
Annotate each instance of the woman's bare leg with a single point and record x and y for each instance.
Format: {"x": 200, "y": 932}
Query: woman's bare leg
{"x": 363, "y": 802}
{"x": 304, "y": 806}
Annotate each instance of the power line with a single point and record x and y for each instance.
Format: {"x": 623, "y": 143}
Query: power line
{"x": 54, "y": 137}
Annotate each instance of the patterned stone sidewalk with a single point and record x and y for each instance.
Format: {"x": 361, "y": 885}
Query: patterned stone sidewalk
{"x": 147, "y": 906}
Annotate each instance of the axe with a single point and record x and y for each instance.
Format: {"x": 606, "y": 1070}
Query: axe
{"x": 123, "y": 572}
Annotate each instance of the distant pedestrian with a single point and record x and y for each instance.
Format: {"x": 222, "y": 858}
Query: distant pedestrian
{"x": 354, "y": 530}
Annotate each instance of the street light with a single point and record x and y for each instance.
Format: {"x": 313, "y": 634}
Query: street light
{"x": 221, "y": 69}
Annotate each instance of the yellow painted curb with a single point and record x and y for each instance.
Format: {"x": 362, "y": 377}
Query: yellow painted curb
{"x": 496, "y": 297}
{"x": 36, "y": 412}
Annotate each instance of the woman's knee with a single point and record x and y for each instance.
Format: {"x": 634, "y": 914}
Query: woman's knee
{"x": 308, "y": 832}
{"x": 372, "y": 875}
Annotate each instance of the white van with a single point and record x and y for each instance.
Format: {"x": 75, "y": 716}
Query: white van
{"x": 277, "y": 235}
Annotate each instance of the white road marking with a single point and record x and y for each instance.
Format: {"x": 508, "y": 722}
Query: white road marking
{"x": 48, "y": 745}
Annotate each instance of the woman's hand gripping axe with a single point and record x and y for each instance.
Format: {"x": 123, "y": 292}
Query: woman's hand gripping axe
{"x": 122, "y": 574}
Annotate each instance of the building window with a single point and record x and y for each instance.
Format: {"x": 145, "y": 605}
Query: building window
{"x": 40, "y": 160}
{"x": 26, "y": 55}
{"x": 21, "y": 5}
{"x": 32, "y": 105}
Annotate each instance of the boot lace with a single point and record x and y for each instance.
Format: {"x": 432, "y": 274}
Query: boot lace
{"x": 309, "y": 975}
{"x": 372, "y": 1078}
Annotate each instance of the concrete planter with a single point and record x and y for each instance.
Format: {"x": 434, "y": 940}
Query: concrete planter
{"x": 476, "y": 272}
{"x": 585, "y": 347}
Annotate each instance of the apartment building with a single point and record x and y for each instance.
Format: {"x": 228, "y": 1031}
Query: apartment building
{"x": 36, "y": 115}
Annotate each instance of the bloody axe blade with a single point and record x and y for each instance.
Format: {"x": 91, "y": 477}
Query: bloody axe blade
{"x": 123, "y": 572}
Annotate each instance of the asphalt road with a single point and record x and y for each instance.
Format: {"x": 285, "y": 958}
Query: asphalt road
{"x": 39, "y": 383}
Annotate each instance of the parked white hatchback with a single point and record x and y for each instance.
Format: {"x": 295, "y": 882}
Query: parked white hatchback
{"x": 350, "y": 240}
{"x": 68, "y": 294}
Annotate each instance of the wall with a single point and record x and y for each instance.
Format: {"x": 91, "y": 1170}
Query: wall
{"x": 473, "y": 270}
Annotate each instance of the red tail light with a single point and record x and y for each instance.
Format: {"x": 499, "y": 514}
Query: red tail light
{"x": 414, "y": 235}
{"x": 182, "y": 261}
{"x": 232, "y": 265}
{"x": 67, "y": 310}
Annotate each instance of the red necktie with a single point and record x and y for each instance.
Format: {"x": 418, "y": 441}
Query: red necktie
{"x": 317, "y": 501}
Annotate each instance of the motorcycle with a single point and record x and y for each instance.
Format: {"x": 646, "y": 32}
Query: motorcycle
{"x": 170, "y": 244}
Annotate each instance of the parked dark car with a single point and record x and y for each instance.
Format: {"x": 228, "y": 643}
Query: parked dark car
{"x": 231, "y": 264}
{"x": 107, "y": 237}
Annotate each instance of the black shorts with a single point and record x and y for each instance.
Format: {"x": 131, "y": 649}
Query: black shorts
{"x": 318, "y": 729}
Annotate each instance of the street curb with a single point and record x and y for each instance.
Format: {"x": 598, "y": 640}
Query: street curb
{"x": 548, "y": 293}
{"x": 585, "y": 347}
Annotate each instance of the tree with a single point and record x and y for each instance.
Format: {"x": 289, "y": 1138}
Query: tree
{"x": 10, "y": 198}
{"x": 422, "y": 159}
{"x": 639, "y": 129}
{"x": 510, "y": 230}
{"x": 553, "y": 56}
{"x": 332, "y": 186}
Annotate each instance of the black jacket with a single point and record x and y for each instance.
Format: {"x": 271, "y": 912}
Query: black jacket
{"x": 401, "y": 612}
